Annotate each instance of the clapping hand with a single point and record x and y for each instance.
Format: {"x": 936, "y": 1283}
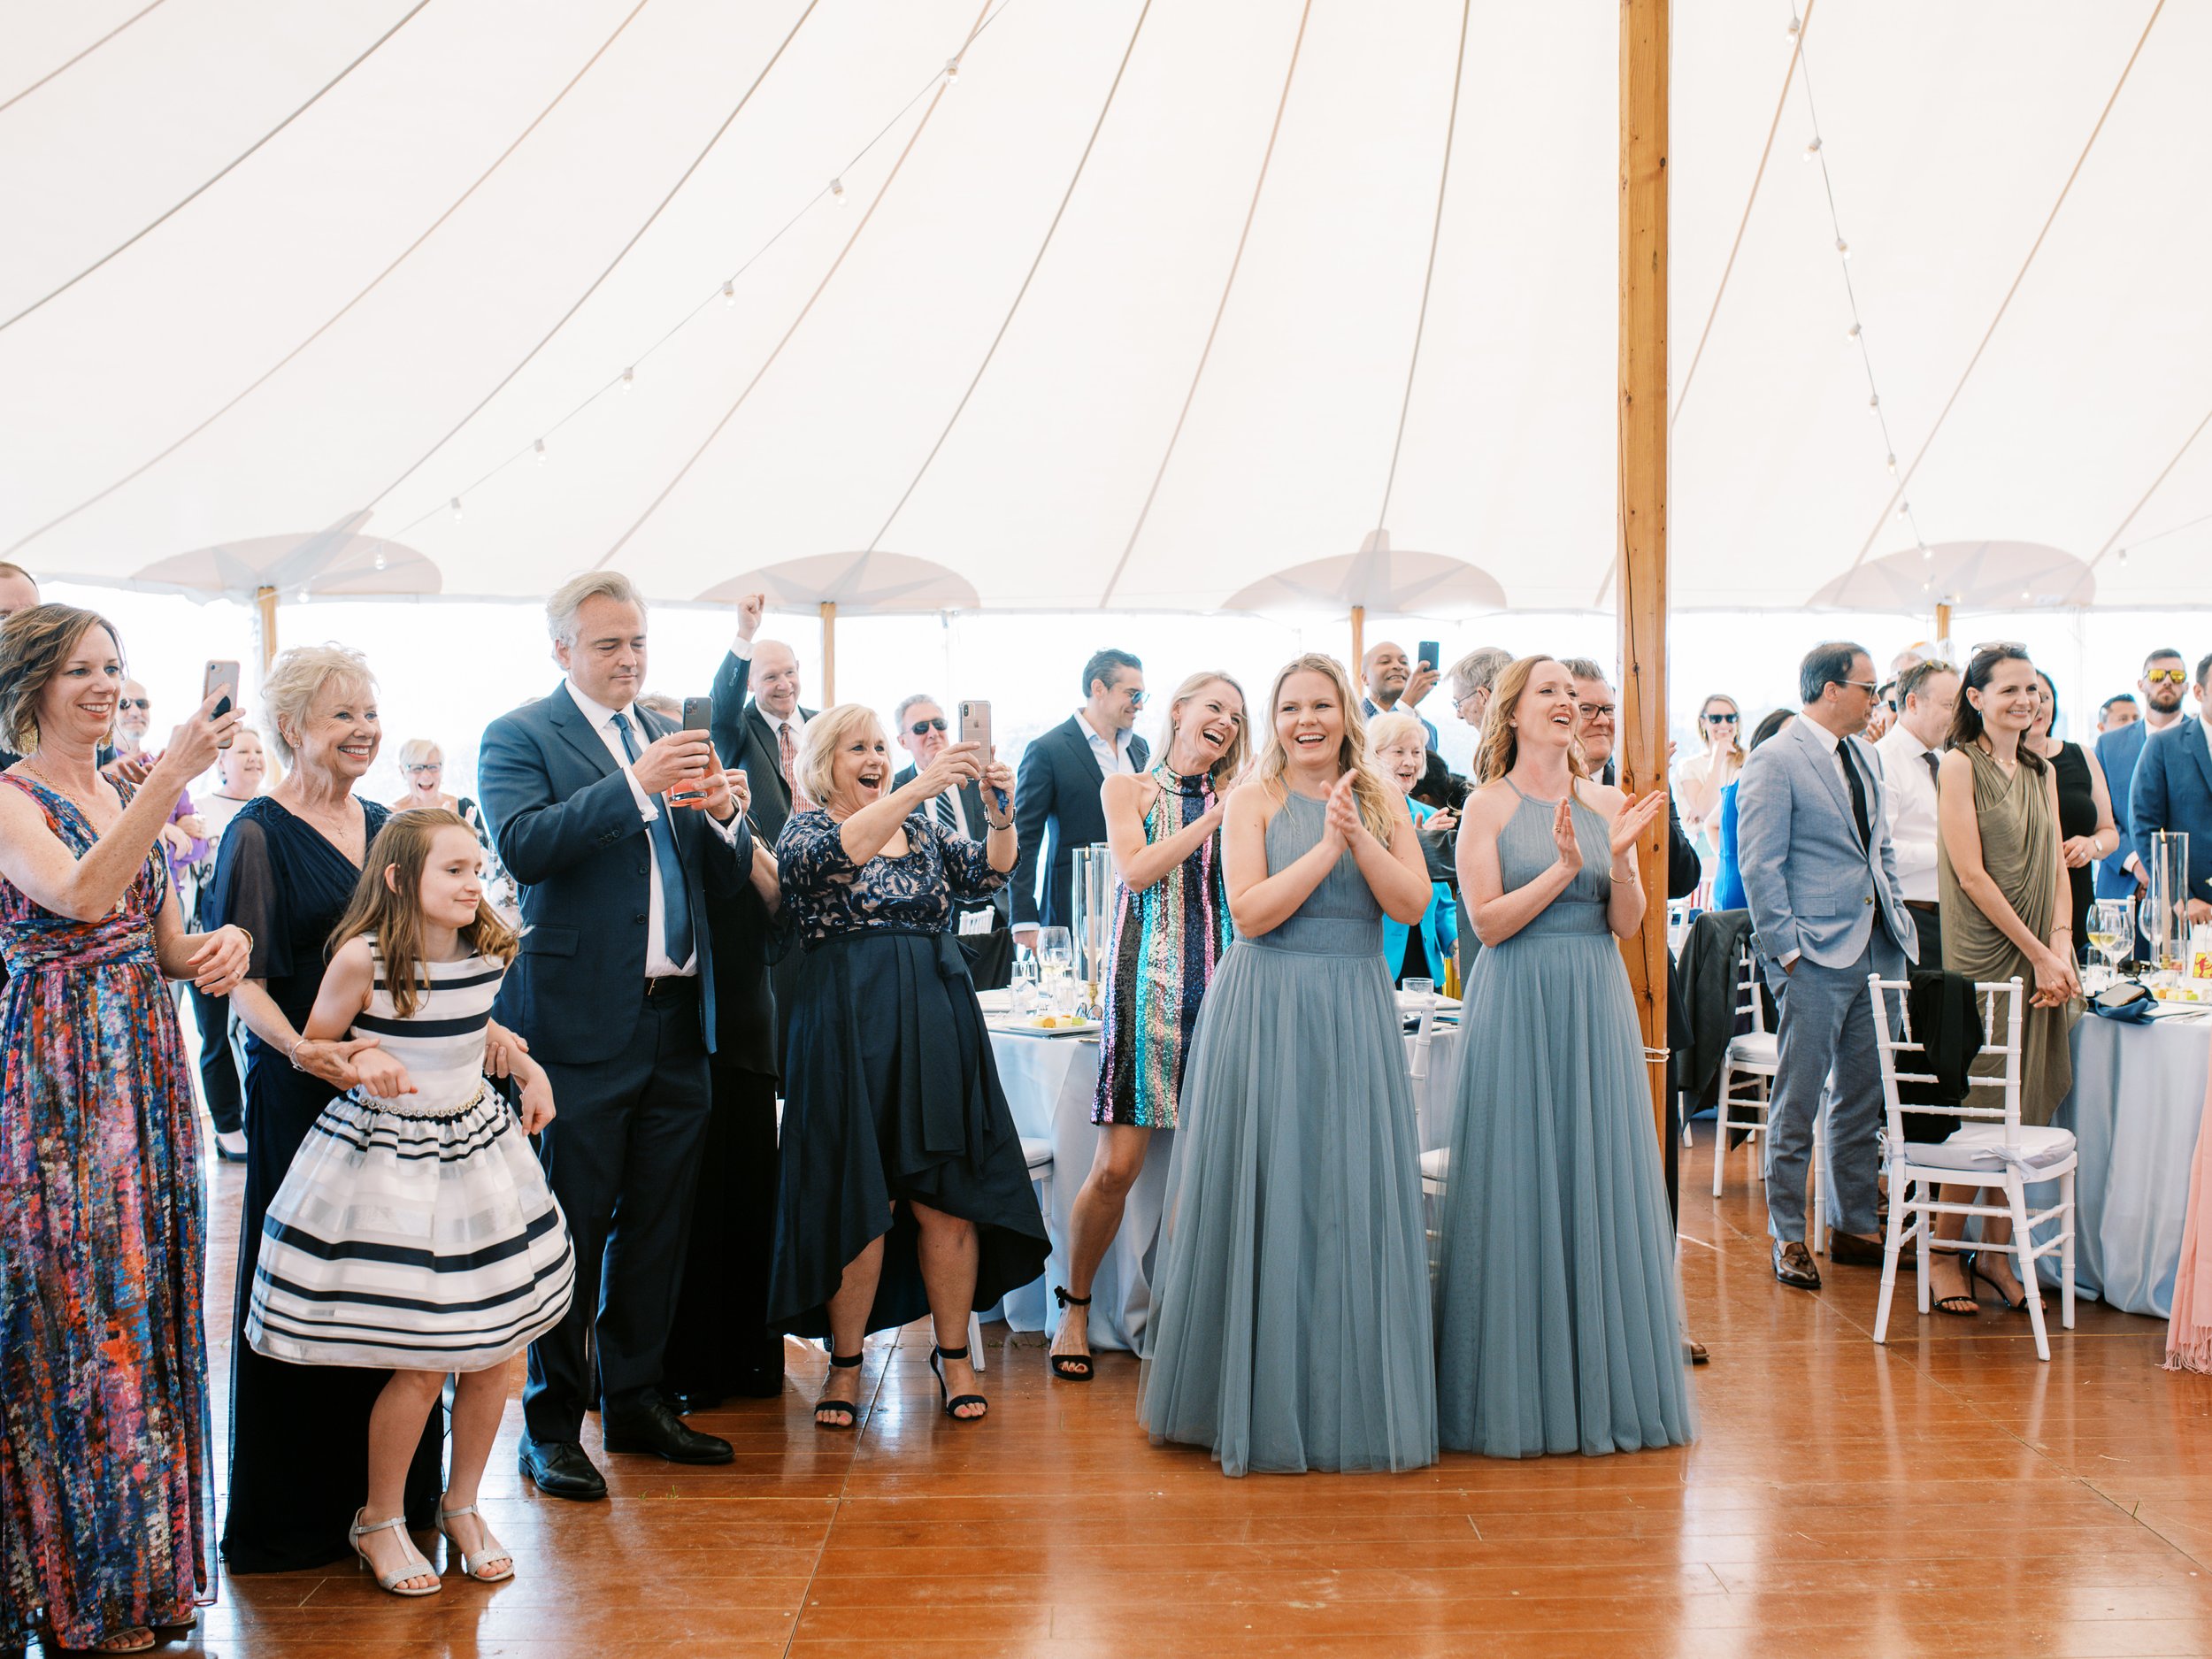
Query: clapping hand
{"x": 1564, "y": 836}
{"x": 1341, "y": 814}
{"x": 1635, "y": 818}
{"x": 220, "y": 963}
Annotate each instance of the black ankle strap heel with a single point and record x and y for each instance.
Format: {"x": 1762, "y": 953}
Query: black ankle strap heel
{"x": 952, "y": 1406}
{"x": 845, "y": 1413}
{"x": 1071, "y": 1367}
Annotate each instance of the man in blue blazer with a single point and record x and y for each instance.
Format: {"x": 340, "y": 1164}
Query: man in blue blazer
{"x": 617, "y": 827}
{"x": 1056, "y": 806}
{"x": 2165, "y": 674}
{"x": 2172, "y": 790}
{"x": 1812, "y": 841}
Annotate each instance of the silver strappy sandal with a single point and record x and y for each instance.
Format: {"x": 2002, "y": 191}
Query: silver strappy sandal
{"x": 416, "y": 1568}
{"x": 492, "y": 1551}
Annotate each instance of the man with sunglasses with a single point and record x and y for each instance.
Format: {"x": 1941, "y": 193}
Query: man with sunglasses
{"x": 2172, "y": 788}
{"x": 2165, "y": 679}
{"x": 1056, "y": 806}
{"x": 1812, "y": 816}
{"x": 923, "y": 732}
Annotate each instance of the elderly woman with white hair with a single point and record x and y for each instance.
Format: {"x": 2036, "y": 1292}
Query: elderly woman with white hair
{"x": 422, "y": 771}
{"x": 286, "y": 866}
{"x": 902, "y": 1189}
{"x": 1398, "y": 746}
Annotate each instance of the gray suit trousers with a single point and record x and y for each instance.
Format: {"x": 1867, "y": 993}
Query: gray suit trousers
{"x": 1827, "y": 1033}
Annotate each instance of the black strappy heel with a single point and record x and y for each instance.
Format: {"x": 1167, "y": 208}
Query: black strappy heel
{"x": 952, "y": 1406}
{"x": 1073, "y": 1367}
{"x": 849, "y": 1408}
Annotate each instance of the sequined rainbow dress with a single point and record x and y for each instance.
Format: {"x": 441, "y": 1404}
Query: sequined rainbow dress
{"x": 1165, "y": 944}
{"x": 105, "y": 1505}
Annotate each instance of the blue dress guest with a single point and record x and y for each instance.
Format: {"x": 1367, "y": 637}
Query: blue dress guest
{"x": 285, "y": 870}
{"x": 1292, "y": 1326}
{"x": 1398, "y": 744}
{"x": 902, "y": 1189}
{"x": 1559, "y": 1325}
{"x": 1728, "y": 888}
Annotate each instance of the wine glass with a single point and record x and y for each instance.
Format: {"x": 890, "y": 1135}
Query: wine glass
{"x": 2112, "y": 930}
{"x": 1055, "y": 962}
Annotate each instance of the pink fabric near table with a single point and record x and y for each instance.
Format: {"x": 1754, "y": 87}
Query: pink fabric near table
{"x": 2189, "y": 1332}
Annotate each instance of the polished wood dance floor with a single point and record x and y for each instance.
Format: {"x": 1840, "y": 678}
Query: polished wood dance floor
{"x": 1949, "y": 1494}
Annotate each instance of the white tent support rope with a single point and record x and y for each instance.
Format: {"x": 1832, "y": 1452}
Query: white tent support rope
{"x": 72, "y": 62}
{"x": 1228, "y": 287}
{"x": 2113, "y": 539}
{"x": 828, "y": 276}
{"x": 430, "y": 230}
{"x": 621, "y": 254}
{"x": 991, "y": 351}
{"x": 221, "y": 173}
{"x": 1428, "y": 271}
{"x": 1905, "y": 476}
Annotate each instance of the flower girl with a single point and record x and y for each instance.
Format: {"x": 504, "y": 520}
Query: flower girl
{"x": 414, "y": 1230}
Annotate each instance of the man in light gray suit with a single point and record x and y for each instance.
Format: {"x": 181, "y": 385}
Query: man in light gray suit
{"x": 1812, "y": 839}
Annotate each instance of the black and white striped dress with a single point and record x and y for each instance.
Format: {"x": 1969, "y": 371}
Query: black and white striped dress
{"x": 418, "y": 1234}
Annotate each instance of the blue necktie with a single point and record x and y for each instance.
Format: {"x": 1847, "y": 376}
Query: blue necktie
{"x": 675, "y": 902}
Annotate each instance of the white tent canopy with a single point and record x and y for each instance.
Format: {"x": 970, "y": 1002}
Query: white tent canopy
{"x": 1153, "y": 304}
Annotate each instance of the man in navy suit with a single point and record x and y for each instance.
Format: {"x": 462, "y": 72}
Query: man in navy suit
{"x": 616, "y": 826}
{"x": 1056, "y": 792}
{"x": 2173, "y": 791}
{"x": 2118, "y": 750}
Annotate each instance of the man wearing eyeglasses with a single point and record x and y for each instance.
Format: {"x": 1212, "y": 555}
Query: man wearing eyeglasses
{"x": 923, "y": 732}
{"x": 2172, "y": 790}
{"x": 2165, "y": 682}
{"x": 1057, "y": 803}
{"x": 1820, "y": 877}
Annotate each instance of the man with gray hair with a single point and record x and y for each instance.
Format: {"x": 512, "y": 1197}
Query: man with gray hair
{"x": 920, "y": 728}
{"x": 1470, "y": 679}
{"x": 617, "y": 827}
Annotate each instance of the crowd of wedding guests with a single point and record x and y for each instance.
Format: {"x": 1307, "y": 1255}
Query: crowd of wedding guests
{"x": 669, "y": 1044}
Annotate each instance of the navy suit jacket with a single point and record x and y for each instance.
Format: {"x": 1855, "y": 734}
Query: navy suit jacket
{"x": 1057, "y": 810}
{"x": 2173, "y": 791}
{"x": 2117, "y": 752}
{"x": 744, "y": 739}
{"x": 568, "y": 829}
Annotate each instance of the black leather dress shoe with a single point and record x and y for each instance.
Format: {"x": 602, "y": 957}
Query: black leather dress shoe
{"x": 1793, "y": 1265}
{"x": 560, "y": 1469}
{"x": 652, "y": 1427}
{"x": 1854, "y": 1250}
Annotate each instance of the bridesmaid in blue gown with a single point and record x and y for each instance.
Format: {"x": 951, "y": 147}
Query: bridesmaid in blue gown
{"x": 1558, "y": 1302}
{"x": 1292, "y": 1330}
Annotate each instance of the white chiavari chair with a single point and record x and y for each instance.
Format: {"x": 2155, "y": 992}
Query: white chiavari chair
{"x": 1991, "y": 1148}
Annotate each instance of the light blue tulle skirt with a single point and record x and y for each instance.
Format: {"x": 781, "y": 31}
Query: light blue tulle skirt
{"x": 1559, "y": 1323}
{"x": 1292, "y": 1326}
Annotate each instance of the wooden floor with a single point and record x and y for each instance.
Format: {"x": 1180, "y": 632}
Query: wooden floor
{"x": 1947, "y": 1495}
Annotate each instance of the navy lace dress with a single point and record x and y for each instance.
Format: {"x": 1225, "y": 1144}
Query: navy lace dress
{"x": 889, "y": 1089}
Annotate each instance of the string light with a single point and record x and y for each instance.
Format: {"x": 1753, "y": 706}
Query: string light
{"x": 2120, "y": 558}
{"x": 1855, "y": 334}
{"x": 455, "y": 504}
{"x": 948, "y": 75}
{"x": 379, "y": 558}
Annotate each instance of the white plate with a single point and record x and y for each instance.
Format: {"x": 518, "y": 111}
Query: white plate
{"x": 1014, "y": 1028}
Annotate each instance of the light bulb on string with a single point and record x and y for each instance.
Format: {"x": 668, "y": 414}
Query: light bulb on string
{"x": 1851, "y": 334}
{"x": 1874, "y": 402}
{"x": 2122, "y": 557}
{"x": 837, "y": 193}
{"x": 537, "y": 448}
{"x": 1904, "y": 509}
{"x": 1926, "y": 552}
{"x": 379, "y": 558}
{"x": 1795, "y": 25}
{"x": 1889, "y": 461}
{"x": 628, "y": 377}
{"x": 455, "y": 504}
{"x": 952, "y": 72}
{"x": 1843, "y": 247}
{"x": 1813, "y": 149}
{"x": 729, "y": 292}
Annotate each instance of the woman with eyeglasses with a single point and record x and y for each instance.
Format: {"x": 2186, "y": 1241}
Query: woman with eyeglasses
{"x": 1699, "y": 781}
{"x": 422, "y": 766}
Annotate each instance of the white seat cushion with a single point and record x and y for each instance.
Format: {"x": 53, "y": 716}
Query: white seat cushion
{"x": 1038, "y": 1151}
{"x": 1979, "y": 1146}
{"x": 1437, "y": 1165}
{"x": 1755, "y": 1047}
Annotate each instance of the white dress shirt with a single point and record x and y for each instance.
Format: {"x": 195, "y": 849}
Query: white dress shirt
{"x": 1112, "y": 754}
{"x": 658, "y": 966}
{"x": 1911, "y": 811}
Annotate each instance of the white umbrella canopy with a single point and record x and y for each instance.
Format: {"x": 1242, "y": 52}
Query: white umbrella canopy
{"x": 1156, "y": 303}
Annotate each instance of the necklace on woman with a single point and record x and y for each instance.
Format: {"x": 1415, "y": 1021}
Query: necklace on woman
{"x": 60, "y": 788}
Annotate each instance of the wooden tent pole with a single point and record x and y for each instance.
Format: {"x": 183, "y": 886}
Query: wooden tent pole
{"x": 1642, "y": 520}
{"x": 829, "y": 652}
{"x": 1359, "y": 639}
{"x": 265, "y": 602}
{"x": 1943, "y": 626}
